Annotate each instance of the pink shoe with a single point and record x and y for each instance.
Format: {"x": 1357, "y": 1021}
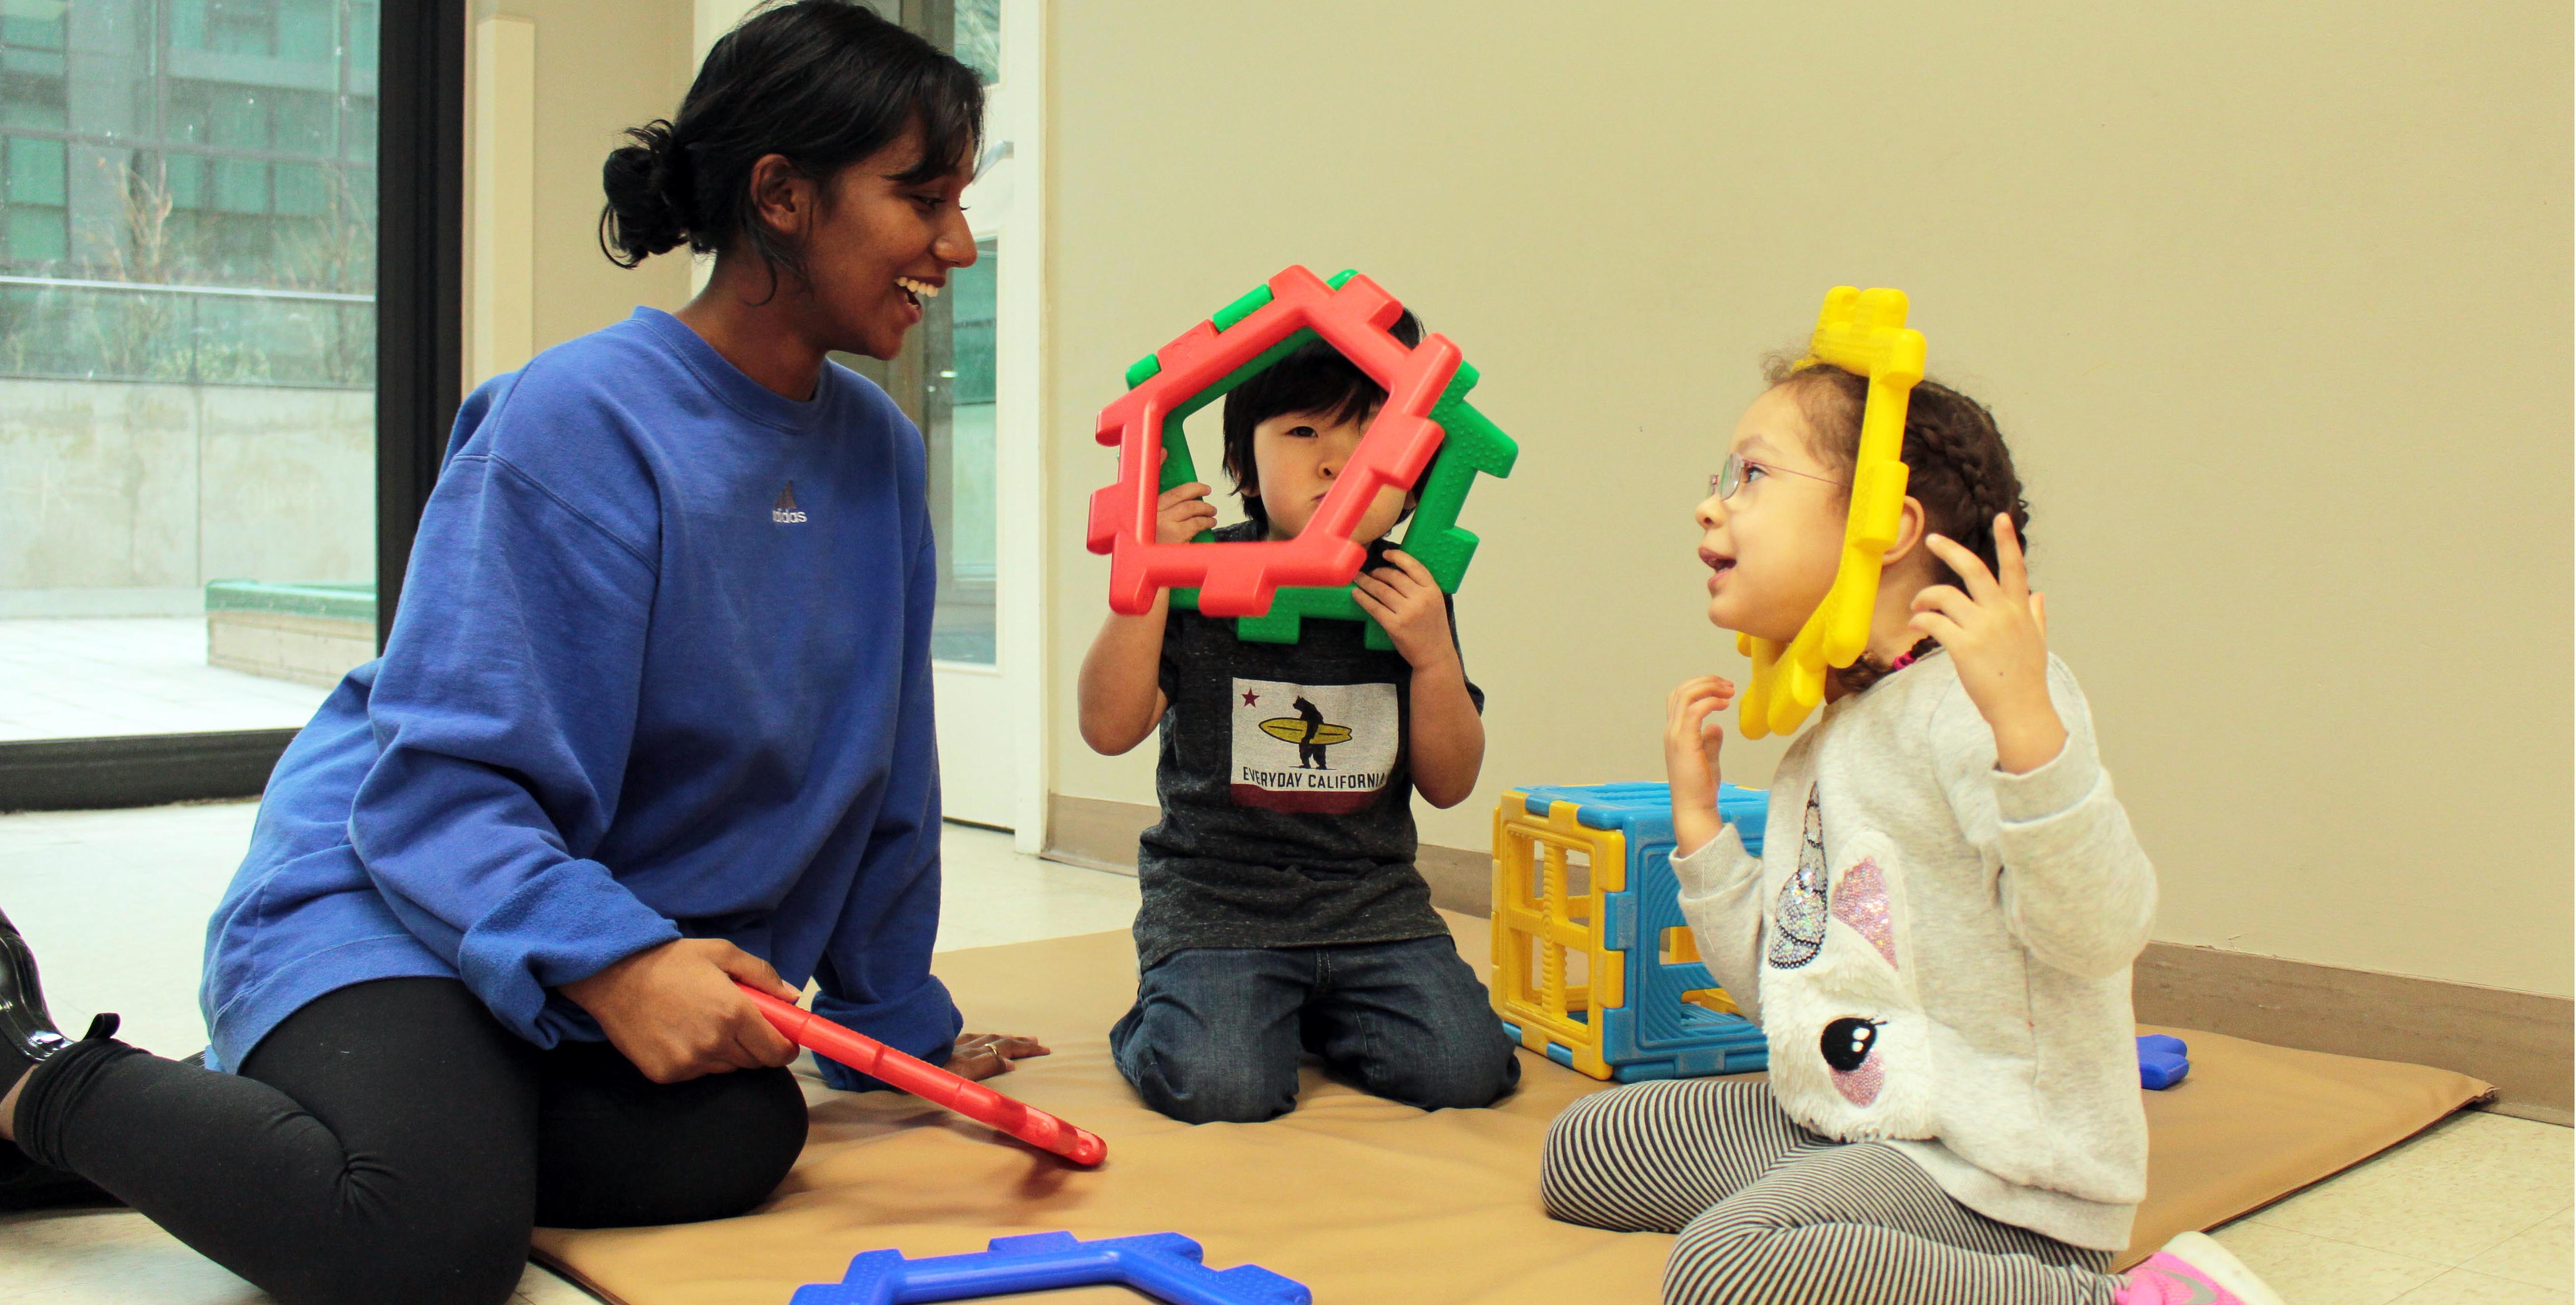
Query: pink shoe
{"x": 2193, "y": 1270}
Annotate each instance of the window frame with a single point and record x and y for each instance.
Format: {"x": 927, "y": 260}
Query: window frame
{"x": 420, "y": 256}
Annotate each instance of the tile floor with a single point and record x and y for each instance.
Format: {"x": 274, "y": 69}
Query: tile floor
{"x": 2476, "y": 1210}
{"x": 91, "y": 677}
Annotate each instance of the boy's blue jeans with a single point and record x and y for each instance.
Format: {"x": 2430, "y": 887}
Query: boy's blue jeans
{"x": 1216, "y": 1032}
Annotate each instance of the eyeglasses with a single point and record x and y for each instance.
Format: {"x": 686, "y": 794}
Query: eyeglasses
{"x": 1732, "y": 476}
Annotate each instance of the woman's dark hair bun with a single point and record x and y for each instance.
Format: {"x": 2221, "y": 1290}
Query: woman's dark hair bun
{"x": 819, "y": 83}
{"x": 648, "y": 196}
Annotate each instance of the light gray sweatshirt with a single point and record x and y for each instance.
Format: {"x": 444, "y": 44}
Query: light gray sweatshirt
{"x": 1939, "y": 951}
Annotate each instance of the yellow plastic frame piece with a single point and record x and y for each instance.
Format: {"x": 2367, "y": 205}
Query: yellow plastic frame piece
{"x": 1538, "y": 920}
{"x": 1686, "y": 948}
{"x": 1862, "y": 332}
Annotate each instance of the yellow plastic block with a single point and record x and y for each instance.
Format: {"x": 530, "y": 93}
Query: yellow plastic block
{"x": 1684, "y": 947}
{"x": 1541, "y": 920}
{"x": 1863, "y": 332}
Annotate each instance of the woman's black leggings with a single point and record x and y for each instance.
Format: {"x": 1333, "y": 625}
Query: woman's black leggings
{"x": 391, "y": 1142}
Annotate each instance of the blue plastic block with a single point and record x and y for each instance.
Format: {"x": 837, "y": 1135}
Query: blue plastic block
{"x": 1165, "y": 1266}
{"x": 1622, "y": 806}
{"x": 2163, "y": 1061}
{"x": 1656, "y": 1034}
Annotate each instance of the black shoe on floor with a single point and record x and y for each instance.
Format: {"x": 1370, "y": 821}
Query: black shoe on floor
{"x": 28, "y": 1038}
{"x": 27, "y": 1033}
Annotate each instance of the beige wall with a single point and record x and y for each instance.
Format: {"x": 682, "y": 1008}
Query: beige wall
{"x": 2274, "y": 310}
{"x": 600, "y": 68}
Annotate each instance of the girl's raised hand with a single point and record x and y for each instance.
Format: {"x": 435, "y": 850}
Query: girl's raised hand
{"x": 1997, "y": 636}
{"x": 1690, "y": 757}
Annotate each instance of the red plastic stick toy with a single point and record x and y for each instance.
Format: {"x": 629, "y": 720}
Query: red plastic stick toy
{"x": 929, "y": 1082}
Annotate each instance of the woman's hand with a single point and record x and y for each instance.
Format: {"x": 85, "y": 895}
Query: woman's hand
{"x": 1182, "y": 513}
{"x": 1402, "y": 597}
{"x": 1690, "y": 757}
{"x": 674, "y": 1011}
{"x": 1997, "y": 635}
{"x": 982, "y": 1055}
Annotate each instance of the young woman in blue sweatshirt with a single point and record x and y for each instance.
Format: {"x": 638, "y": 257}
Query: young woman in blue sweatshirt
{"x": 655, "y": 717}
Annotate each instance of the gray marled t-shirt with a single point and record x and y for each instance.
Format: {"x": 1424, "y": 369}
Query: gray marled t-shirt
{"x": 1286, "y": 791}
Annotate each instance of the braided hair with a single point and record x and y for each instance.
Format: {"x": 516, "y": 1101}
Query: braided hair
{"x": 1956, "y": 466}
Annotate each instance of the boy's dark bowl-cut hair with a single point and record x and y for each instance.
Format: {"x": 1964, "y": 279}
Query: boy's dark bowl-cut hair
{"x": 1313, "y": 378}
{"x": 824, "y": 83}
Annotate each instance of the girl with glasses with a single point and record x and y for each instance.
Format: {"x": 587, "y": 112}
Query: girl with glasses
{"x": 1936, "y": 940}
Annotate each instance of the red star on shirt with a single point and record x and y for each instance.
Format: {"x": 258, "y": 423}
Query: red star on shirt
{"x": 1251, "y": 699}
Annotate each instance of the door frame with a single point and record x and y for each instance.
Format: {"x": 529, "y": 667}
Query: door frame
{"x": 420, "y": 270}
{"x": 1020, "y": 446}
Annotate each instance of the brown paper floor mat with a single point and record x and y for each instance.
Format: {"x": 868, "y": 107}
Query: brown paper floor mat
{"x": 1361, "y": 1199}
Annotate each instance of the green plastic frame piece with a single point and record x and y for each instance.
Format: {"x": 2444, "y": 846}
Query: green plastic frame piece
{"x": 1469, "y": 443}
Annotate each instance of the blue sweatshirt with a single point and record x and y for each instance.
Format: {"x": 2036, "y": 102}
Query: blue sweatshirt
{"x": 661, "y": 670}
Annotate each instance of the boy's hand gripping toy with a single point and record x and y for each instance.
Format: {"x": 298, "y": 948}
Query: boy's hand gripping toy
{"x": 1271, "y": 584}
{"x": 1862, "y": 332}
{"x": 929, "y": 1082}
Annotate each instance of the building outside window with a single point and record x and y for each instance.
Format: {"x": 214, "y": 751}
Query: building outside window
{"x": 187, "y": 327}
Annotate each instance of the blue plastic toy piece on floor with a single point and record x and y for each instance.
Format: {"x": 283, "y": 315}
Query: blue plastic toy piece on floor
{"x": 1165, "y": 1266}
{"x": 2163, "y": 1061}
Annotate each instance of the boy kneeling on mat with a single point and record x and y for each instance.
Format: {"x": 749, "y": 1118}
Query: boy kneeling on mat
{"x": 1282, "y": 911}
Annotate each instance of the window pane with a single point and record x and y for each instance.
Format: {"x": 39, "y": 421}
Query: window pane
{"x": 35, "y": 172}
{"x": 241, "y": 26}
{"x": 31, "y": 102}
{"x": 239, "y": 118}
{"x": 304, "y": 123}
{"x": 306, "y": 30}
{"x": 979, "y": 37}
{"x": 241, "y": 186}
{"x": 302, "y": 189}
{"x": 188, "y": 24}
{"x": 187, "y": 473}
{"x": 185, "y": 175}
{"x": 36, "y": 235}
{"x": 360, "y": 34}
{"x": 961, "y": 393}
{"x": 32, "y": 28}
{"x": 361, "y": 129}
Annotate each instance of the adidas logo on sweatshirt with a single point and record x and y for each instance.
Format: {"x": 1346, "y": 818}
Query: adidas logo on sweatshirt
{"x": 785, "y": 511}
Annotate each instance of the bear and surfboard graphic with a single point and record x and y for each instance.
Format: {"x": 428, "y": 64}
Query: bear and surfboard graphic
{"x": 1324, "y": 748}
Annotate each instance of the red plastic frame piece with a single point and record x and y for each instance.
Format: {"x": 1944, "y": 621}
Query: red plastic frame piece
{"x": 1240, "y": 579}
{"x": 929, "y": 1082}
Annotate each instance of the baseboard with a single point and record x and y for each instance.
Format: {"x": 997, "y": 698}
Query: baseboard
{"x": 137, "y": 771}
{"x": 1460, "y": 880}
{"x": 1095, "y": 833}
{"x": 2519, "y": 1041}
{"x": 1101, "y": 835}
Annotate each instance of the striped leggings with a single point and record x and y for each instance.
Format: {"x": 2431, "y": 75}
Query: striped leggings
{"x": 1771, "y": 1214}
